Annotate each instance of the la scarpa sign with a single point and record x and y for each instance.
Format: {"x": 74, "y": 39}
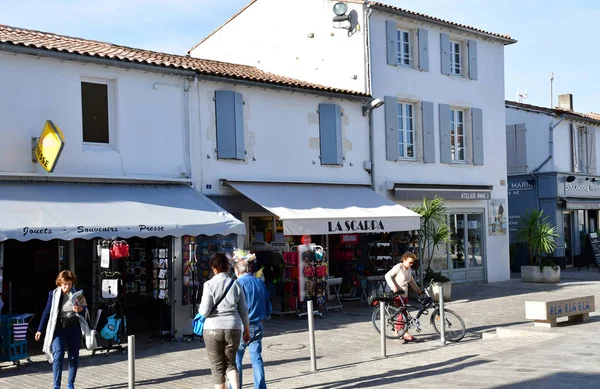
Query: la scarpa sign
{"x": 355, "y": 226}
{"x": 49, "y": 146}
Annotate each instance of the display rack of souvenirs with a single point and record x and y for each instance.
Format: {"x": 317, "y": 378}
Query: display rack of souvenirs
{"x": 313, "y": 268}
{"x": 291, "y": 276}
{"x": 380, "y": 256}
{"x": 347, "y": 256}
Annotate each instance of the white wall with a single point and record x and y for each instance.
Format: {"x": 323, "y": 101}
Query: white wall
{"x": 273, "y": 35}
{"x": 487, "y": 93}
{"x": 149, "y": 122}
{"x": 281, "y": 133}
{"x": 538, "y": 136}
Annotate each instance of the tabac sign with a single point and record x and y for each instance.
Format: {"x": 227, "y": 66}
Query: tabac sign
{"x": 49, "y": 146}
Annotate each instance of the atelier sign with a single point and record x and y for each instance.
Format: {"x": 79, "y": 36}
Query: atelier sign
{"x": 49, "y": 146}
{"x": 355, "y": 226}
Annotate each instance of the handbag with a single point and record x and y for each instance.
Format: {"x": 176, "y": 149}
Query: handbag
{"x": 119, "y": 249}
{"x": 198, "y": 322}
{"x": 90, "y": 340}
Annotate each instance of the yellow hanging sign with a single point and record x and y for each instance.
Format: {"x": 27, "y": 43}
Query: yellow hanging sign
{"x": 49, "y": 146}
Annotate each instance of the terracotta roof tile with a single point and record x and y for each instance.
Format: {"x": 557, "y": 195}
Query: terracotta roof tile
{"x": 386, "y": 7}
{"x": 591, "y": 117}
{"x": 90, "y": 48}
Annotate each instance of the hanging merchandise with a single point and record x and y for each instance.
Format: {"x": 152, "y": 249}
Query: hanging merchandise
{"x": 313, "y": 269}
{"x": 119, "y": 249}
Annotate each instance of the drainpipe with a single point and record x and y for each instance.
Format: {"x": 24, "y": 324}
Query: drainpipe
{"x": 369, "y": 89}
{"x": 551, "y": 128}
{"x": 368, "y": 86}
{"x": 550, "y": 144}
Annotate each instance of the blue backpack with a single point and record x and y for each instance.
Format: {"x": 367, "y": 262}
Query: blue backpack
{"x": 111, "y": 329}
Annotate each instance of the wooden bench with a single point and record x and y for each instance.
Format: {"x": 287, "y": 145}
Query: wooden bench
{"x": 545, "y": 313}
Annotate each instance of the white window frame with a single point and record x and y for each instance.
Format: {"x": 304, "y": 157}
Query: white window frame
{"x": 404, "y": 121}
{"x": 401, "y": 54}
{"x": 460, "y": 68}
{"x": 112, "y": 115}
{"x": 454, "y": 136}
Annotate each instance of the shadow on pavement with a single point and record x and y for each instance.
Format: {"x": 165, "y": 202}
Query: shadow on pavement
{"x": 557, "y": 380}
{"x": 395, "y": 377}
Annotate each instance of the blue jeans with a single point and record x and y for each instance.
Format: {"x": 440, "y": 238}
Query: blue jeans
{"x": 255, "y": 347}
{"x": 69, "y": 338}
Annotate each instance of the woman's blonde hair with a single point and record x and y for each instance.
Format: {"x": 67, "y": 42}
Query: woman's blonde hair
{"x": 407, "y": 255}
{"x": 65, "y": 276}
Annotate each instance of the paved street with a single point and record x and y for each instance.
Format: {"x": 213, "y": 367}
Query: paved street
{"x": 348, "y": 350}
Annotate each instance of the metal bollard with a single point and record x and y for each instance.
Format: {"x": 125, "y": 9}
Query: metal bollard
{"x": 442, "y": 318}
{"x": 311, "y": 335}
{"x": 382, "y": 327}
{"x": 131, "y": 360}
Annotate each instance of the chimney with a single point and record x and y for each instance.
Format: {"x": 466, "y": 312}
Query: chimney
{"x": 565, "y": 101}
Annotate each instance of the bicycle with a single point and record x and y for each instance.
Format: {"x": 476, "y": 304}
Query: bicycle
{"x": 398, "y": 318}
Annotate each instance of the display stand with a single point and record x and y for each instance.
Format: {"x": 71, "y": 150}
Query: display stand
{"x": 161, "y": 284}
{"x": 291, "y": 288}
{"x": 192, "y": 283}
{"x": 112, "y": 285}
{"x": 313, "y": 269}
{"x": 335, "y": 284}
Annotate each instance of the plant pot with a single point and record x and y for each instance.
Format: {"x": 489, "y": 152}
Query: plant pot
{"x": 533, "y": 274}
{"x": 446, "y": 286}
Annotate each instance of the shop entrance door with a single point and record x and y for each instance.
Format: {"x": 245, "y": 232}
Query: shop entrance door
{"x": 466, "y": 253}
{"x": 568, "y": 236}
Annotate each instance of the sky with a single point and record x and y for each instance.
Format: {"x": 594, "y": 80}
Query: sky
{"x": 554, "y": 36}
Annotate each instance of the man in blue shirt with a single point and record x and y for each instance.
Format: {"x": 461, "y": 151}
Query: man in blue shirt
{"x": 259, "y": 309}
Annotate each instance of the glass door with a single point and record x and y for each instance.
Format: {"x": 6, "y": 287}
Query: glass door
{"x": 568, "y": 236}
{"x": 475, "y": 232}
{"x": 466, "y": 252}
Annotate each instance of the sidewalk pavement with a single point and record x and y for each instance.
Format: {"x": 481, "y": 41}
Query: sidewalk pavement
{"x": 348, "y": 350}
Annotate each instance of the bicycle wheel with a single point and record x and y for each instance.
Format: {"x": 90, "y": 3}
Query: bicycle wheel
{"x": 395, "y": 320}
{"x": 454, "y": 327}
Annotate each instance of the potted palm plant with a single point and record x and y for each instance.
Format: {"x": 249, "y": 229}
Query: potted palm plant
{"x": 540, "y": 237}
{"x": 434, "y": 232}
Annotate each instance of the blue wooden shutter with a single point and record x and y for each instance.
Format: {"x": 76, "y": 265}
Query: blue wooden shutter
{"x": 574, "y": 148}
{"x": 240, "y": 149}
{"x": 392, "y": 140}
{"x": 391, "y": 33}
{"x": 428, "y": 132}
{"x": 477, "y": 124}
{"x": 330, "y": 134}
{"x": 472, "y": 59}
{"x": 423, "y": 49}
{"x": 445, "y": 145}
{"x": 511, "y": 149}
{"x": 445, "y": 53}
{"x": 230, "y": 125}
{"x": 521, "y": 148}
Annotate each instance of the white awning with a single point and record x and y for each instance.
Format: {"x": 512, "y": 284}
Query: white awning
{"x": 329, "y": 209}
{"x": 68, "y": 210}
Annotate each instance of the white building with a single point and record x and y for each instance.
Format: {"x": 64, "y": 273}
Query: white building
{"x": 442, "y": 126}
{"x": 136, "y": 132}
{"x": 552, "y": 166}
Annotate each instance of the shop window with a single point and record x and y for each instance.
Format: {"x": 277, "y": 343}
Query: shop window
{"x": 95, "y": 112}
{"x": 229, "y": 108}
{"x": 330, "y": 134}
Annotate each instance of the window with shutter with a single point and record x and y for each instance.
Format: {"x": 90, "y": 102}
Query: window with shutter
{"x": 511, "y": 149}
{"x": 428, "y": 129}
{"x": 391, "y": 129}
{"x": 330, "y": 134}
{"x": 229, "y": 108}
{"x": 445, "y": 133}
{"x": 593, "y": 169}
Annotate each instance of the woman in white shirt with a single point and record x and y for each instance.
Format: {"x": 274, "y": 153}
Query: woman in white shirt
{"x": 399, "y": 277}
